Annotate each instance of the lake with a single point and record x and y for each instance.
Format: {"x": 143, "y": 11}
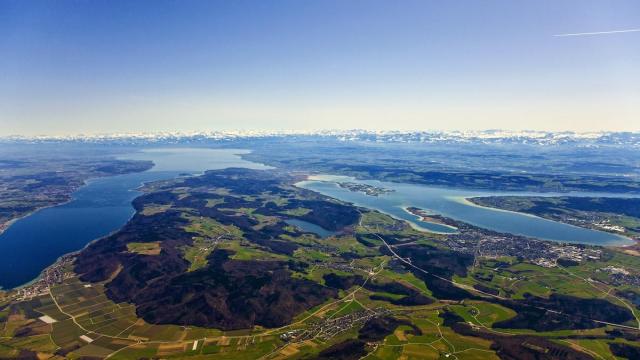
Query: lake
{"x": 451, "y": 203}
{"x": 97, "y": 209}
{"x": 309, "y": 227}
{"x": 103, "y": 206}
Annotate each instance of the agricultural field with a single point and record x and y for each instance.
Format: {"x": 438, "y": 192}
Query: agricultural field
{"x": 209, "y": 268}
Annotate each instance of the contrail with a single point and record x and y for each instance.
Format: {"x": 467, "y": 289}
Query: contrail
{"x": 599, "y": 32}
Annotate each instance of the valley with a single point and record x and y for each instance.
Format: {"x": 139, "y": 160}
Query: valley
{"x": 377, "y": 287}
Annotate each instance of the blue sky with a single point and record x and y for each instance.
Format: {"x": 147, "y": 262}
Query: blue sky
{"x": 114, "y": 66}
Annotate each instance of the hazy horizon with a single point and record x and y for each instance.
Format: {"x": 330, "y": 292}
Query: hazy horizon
{"x": 108, "y": 67}
{"x": 320, "y": 131}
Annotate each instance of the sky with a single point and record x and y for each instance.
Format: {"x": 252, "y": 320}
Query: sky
{"x": 73, "y": 67}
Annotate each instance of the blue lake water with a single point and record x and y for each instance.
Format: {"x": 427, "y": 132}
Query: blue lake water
{"x": 309, "y": 227}
{"x": 103, "y": 205}
{"x": 451, "y": 203}
{"x": 100, "y": 207}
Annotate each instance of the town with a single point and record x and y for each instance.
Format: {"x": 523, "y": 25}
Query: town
{"x": 54, "y": 274}
{"x": 491, "y": 244}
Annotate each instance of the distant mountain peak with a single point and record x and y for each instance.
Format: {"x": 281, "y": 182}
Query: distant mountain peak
{"x": 491, "y": 136}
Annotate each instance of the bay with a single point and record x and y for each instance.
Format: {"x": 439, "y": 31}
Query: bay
{"x": 97, "y": 209}
{"x": 452, "y": 203}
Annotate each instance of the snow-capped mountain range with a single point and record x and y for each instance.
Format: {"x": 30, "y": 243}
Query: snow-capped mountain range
{"x": 481, "y": 137}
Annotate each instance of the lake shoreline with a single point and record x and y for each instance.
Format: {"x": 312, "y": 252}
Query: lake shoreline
{"x": 6, "y": 225}
{"x": 103, "y": 213}
{"x": 233, "y": 158}
{"x": 454, "y": 203}
{"x": 635, "y": 241}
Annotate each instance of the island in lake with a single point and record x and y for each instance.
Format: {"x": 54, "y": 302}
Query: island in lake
{"x": 210, "y": 266}
{"x": 366, "y": 189}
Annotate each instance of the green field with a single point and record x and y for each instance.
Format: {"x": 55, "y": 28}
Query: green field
{"x": 370, "y": 302}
